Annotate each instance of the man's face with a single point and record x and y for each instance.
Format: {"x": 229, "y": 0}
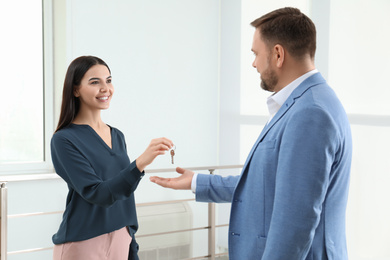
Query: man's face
{"x": 262, "y": 63}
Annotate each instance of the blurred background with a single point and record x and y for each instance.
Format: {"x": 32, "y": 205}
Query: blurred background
{"x": 181, "y": 69}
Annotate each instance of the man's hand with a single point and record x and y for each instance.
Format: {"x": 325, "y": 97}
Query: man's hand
{"x": 183, "y": 182}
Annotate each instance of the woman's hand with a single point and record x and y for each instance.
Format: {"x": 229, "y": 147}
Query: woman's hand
{"x": 156, "y": 147}
{"x": 183, "y": 182}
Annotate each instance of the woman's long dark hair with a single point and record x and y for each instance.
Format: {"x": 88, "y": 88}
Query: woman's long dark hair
{"x": 76, "y": 71}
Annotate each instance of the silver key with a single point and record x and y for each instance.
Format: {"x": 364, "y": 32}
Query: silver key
{"x": 172, "y": 154}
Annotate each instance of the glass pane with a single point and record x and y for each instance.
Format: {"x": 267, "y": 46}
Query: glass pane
{"x": 32, "y": 197}
{"x": 223, "y": 213}
{"x": 46, "y": 254}
{"x": 174, "y": 216}
{"x": 21, "y": 71}
{"x": 354, "y": 68}
{"x": 368, "y": 214}
{"x": 221, "y": 243}
{"x": 32, "y": 232}
{"x": 248, "y": 137}
{"x": 182, "y": 245}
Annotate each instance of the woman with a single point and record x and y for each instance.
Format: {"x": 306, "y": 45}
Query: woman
{"x": 100, "y": 218}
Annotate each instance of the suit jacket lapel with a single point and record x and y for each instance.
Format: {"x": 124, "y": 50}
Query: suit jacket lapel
{"x": 298, "y": 92}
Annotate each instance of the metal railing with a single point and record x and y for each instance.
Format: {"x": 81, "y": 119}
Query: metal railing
{"x": 36, "y": 177}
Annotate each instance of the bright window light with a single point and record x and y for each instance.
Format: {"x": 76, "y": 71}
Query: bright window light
{"x": 21, "y": 70}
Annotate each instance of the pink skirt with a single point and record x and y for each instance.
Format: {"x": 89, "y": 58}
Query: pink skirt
{"x": 111, "y": 246}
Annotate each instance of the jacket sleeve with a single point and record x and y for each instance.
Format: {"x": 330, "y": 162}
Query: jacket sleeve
{"x": 215, "y": 188}
{"x": 307, "y": 152}
{"x": 75, "y": 169}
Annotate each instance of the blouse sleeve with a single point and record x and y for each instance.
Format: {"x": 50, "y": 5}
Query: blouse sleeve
{"x": 76, "y": 170}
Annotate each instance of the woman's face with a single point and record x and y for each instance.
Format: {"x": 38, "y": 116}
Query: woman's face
{"x": 95, "y": 90}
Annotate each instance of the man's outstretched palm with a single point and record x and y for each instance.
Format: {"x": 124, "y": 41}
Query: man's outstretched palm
{"x": 183, "y": 182}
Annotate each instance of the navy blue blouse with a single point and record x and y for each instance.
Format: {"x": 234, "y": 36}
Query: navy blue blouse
{"x": 101, "y": 183}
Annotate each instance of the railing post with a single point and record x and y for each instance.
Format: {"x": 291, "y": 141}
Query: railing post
{"x": 212, "y": 227}
{"x": 3, "y": 221}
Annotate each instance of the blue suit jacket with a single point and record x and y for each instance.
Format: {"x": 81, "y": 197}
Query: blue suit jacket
{"x": 289, "y": 201}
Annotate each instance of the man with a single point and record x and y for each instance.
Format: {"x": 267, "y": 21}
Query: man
{"x": 289, "y": 201}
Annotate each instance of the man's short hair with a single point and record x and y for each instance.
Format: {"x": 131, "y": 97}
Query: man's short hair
{"x": 290, "y": 28}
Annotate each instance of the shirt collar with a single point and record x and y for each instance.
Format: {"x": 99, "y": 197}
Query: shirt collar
{"x": 276, "y": 100}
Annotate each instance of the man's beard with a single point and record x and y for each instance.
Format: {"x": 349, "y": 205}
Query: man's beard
{"x": 269, "y": 80}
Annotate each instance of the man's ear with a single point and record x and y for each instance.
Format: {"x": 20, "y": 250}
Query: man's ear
{"x": 279, "y": 54}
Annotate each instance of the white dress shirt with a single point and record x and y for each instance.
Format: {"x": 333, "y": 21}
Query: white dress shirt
{"x": 274, "y": 103}
{"x": 276, "y": 100}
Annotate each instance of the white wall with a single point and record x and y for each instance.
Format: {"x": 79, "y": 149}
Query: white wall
{"x": 164, "y": 58}
{"x": 164, "y": 61}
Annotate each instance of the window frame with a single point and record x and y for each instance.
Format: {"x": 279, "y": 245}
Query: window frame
{"x": 44, "y": 166}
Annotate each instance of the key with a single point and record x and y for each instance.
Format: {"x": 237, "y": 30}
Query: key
{"x": 172, "y": 154}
